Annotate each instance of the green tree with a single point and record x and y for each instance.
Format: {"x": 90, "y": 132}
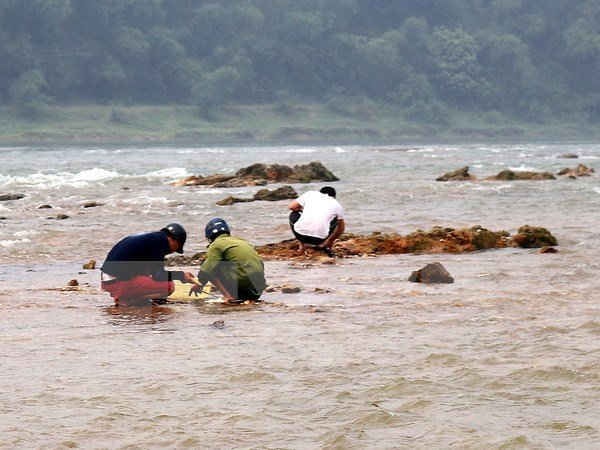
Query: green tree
{"x": 27, "y": 94}
{"x": 458, "y": 73}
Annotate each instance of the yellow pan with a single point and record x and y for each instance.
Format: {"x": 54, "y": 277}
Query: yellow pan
{"x": 181, "y": 293}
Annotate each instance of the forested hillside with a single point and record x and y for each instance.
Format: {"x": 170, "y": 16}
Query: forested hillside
{"x": 528, "y": 59}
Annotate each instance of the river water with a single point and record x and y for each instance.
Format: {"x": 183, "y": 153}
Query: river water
{"x": 506, "y": 357}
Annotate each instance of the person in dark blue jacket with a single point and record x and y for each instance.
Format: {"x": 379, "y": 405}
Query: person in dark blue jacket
{"x": 134, "y": 267}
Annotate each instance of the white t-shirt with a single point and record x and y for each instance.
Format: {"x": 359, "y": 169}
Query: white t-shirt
{"x": 318, "y": 210}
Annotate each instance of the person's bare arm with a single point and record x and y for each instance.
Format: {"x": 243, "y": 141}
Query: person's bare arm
{"x": 295, "y": 206}
{"x": 339, "y": 229}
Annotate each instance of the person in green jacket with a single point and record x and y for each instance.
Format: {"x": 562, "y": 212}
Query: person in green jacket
{"x": 231, "y": 264}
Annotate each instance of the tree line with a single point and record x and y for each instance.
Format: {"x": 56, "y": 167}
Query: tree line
{"x": 530, "y": 59}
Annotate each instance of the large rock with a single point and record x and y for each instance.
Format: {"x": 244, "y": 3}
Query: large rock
{"x": 261, "y": 174}
{"x": 431, "y": 273}
{"x": 461, "y": 174}
{"x": 519, "y": 175}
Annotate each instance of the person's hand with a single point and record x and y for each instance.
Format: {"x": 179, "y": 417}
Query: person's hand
{"x": 196, "y": 289}
{"x": 326, "y": 249}
{"x": 189, "y": 277}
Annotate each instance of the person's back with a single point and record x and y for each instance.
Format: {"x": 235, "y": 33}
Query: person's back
{"x": 134, "y": 267}
{"x": 317, "y": 219}
{"x": 232, "y": 264}
{"x": 318, "y": 210}
{"x": 138, "y": 254}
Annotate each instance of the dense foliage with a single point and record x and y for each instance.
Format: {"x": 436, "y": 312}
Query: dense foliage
{"x": 531, "y": 59}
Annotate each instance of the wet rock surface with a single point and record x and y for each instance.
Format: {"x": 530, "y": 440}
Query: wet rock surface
{"x": 461, "y": 174}
{"x": 261, "y": 174}
{"x": 8, "y": 197}
{"x": 283, "y": 193}
{"x": 436, "y": 240}
{"x": 431, "y": 273}
{"x": 520, "y": 175}
{"x": 580, "y": 171}
{"x": 534, "y": 237}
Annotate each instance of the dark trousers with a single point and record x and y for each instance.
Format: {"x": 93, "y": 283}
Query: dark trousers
{"x": 310, "y": 240}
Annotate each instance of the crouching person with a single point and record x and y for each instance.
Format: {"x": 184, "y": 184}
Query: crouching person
{"x": 232, "y": 265}
{"x": 134, "y": 272}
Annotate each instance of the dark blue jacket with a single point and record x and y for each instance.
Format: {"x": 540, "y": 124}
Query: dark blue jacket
{"x": 140, "y": 254}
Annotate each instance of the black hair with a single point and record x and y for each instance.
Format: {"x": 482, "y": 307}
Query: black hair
{"x": 328, "y": 190}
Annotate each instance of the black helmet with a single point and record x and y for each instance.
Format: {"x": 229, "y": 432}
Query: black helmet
{"x": 178, "y": 233}
{"x": 214, "y": 228}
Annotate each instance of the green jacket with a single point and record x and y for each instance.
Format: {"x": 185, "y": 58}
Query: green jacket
{"x": 235, "y": 262}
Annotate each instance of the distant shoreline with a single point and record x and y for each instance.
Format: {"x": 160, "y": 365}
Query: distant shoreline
{"x": 300, "y": 124}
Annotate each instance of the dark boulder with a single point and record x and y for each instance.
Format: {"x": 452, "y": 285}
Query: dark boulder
{"x": 7, "y": 197}
{"x": 283, "y": 193}
{"x": 431, "y": 273}
{"x": 461, "y": 174}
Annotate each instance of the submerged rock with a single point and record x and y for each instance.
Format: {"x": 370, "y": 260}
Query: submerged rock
{"x": 282, "y": 193}
{"x": 461, "y": 174}
{"x": 520, "y": 175}
{"x": 91, "y": 265}
{"x": 91, "y": 204}
{"x": 261, "y": 174}
{"x": 431, "y": 273}
{"x": 580, "y": 171}
{"x": 7, "y": 197}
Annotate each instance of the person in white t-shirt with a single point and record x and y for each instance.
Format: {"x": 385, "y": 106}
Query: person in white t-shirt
{"x": 317, "y": 219}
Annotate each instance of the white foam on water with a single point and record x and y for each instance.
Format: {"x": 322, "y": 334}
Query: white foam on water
{"x": 26, "y": 233}
{"x": 523, "y": 168}
{"x": 302, "y": 150}
{"x": 596, "y": 190}
{"x": 54, "y": 180}
{"x": 170, "y": 172}
{"x": 144, "y": 200}
{"x": 12, "y": 242}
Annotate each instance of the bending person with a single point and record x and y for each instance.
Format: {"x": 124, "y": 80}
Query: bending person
{"x": 134, "y": 268}
{"x": 231, "y": 264}
{"x": 317, "y": 219}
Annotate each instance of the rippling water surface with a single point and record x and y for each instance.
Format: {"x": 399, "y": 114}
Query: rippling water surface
{"x": 506, "y": 357}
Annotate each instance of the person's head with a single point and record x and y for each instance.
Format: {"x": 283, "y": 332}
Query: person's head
{"x": 176, "y": 235}
{"x": 216, "y": 227}
{"x": 328, "y": 190}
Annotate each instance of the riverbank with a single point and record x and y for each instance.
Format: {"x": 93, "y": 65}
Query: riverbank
{"x": 265, "y": 124}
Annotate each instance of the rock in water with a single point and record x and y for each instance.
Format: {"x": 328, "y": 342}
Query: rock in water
{"x": 431, "y": 273}
{"x": 461, "y": 174}
{"x": 534, "y": 237}
{"x": 7, "y": 197}
{"x": 283, "y": 193}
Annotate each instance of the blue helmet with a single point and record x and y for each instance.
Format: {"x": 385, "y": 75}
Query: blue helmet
{"x": 215, "y": 227}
